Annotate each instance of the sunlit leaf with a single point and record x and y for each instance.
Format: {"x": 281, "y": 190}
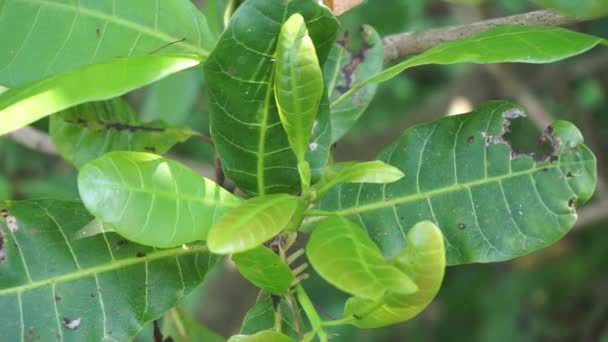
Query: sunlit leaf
{"x": 490, "y": 202}
{"x": 51, "y": 37}
{"x": 262, "y": 336}
{"x": 89, "y": 130}
{"x": 343, "y": 254}
{"x": 298, "y": 83}
{"x": 252, "y": 223}
{"x": 423, "y": 260}
{"x": 94, "y": 289}
{"x": 265, "y": 269}
{"x": 21, "y": 106}
{"x": 152, "y": 200}
{"x": 244, "y": 119}
{"x": 508, "y": 43}
{"x": 359, "y": 172}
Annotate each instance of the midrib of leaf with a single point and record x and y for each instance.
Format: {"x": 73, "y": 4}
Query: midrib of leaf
{"x": 122, "y": 22}
{"x": 454, "y": 187}
{"x": 262, "y": 140}
{"x": 332, "y": 83}
{"x": 115, "y": 265}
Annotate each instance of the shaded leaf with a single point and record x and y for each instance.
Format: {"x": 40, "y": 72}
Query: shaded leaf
{"x": 345, "y": 68}
{"x": 89, "y": 130}
{"x": 152, "y": 200}
{"x": 100, "y": 288}
{"x": 180, "y": 326}
{"x": 359, "y": 172}
{"x": 580, "y": 8}
{"x": 298, "y": 83}
{"x": 21, "y": 106}
{"x": 262, "y": 336}
{"x": 491, "y": 203}
{"x": 244, "y": 120}
{"x": 508, "y": 43}
{"x": 423, "y": 260}
{"x": 252, "y": 223}
{"x": 51, "y": 37}
{"x": 261, "y": 316}
{"x": 343, "y": 254}
{"x": 265, "y": 269}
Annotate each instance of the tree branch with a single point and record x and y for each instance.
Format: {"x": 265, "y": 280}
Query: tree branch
{"x": 34, "y": 139}
{"x": 407, "y": 43}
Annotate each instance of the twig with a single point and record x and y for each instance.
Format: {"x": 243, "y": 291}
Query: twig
{"x": 592, "y": 213}
{"x": 34, "y": 139}
{"x": 407, "y": 43}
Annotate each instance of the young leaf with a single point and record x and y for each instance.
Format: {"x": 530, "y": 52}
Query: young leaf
{"x": 152, "y": 200}
{"x": 94, "y": 289}
{"x": 491, "y": 203}
{"x": 342, "y": 69}
{"x": 343, "y": 254}
{"x": 261, "y": 316}
{"x": 51, "y": 37}
{"x": 252, "y": 223}
{"x": 298, "y": 83}
{"x": 364, "y": 172}
{"x": 21, "y": 106}
{"x": 89, "y": 130}
{"x": 586, "y": 8}
{"x": 508, "y": 43}
{"x": 265, "y": 269}
{"x": 423, "y": 260}
{"x": 180, "y": 326}
{"x": 262, "y": 336}
{"x": 244, "y": 120}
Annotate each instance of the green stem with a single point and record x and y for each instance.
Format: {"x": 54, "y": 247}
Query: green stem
{"x": 278, "y": 320}
{"x": 351, "y": 319}
{"x": 311, "y": 313}
{"x": 316, "y": 212}
{"x": 298, "y": 217}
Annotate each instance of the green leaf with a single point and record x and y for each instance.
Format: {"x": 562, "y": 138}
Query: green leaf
{"x": 262, "y": 336}
{"x": 581, "y": 8}
{"x": 261, "y": 316}
{"x": 343, "y": 254}
{"x": 355, "y": 172}
{"x": 244, "y": 119}
{"x": 423, "y": 260}
{"x": 89, "y": 130}
{"x": 298, "y": 83}
{"x": 22, "y": 106}
{"x": 95, "y": 289}
{"x": 342, "y": 69}
{"x": 508, "y": 43}
{"x": 491, "y": 203}
{"x": 180, "y": 326}
{"x": 265, "y": 269}
{"x": 152, "y": 200}
{"x": 252, "y": 223}
{"x": 50, "y": 37}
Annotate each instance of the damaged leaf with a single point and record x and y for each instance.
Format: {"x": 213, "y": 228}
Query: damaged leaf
{"x": 152, "y": 200}
{"x": 244, "y": 120}
{"x": 345, "y": 68}
{"x": 88, "y": 131}
{"x": 491, "y": 203}
{"x": 91, "y": 289}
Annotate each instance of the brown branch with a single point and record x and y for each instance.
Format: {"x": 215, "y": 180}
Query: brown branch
{"x": 408, "y": 43}
{"x": 34, "y": 139}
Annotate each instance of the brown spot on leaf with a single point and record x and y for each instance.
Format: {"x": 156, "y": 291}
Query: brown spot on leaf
{"x": 471, "y": 139}
{"x": 544, "y": 169}
{"x": 151, "y": 149}
{"x": 57, "y": 299}
{"x": 462, "y": 226}
{"x": 98, "y": 32}
{"x": 121, "y": 243}
{"x": 71, "y": 324}
{"x": 4, "y": 212}
{"x": 571, "y": 202}
{"x": 30, "y": 334}
{"x": 140, "y": 254}
{"x": 2, "y": 247}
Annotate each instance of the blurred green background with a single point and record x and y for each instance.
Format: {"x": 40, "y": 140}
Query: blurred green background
{"x": 558, "y": 294}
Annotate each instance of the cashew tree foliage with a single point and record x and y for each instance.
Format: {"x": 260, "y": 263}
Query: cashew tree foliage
{"x": 282, "y": 88}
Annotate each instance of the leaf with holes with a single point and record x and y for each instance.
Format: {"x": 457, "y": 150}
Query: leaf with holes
{"x": 94, "y": 289}
{"x": 265, "y": 269}
{"x": 345, "y": 68}
{"x": 252, "y": 223}
{"x": 358, "y": 172}
{"x": 262, "y": 336}
{"x": 508, "y": 43}
{"x": 298, "y": 83}
{"x": 179, "y": 326}
{"x": 244, "y": 119}
{"x": 21, "y": 106}
{"x": 423, "y": 260}
{"x": 491, "y": 203}
{"x": 582, "y": 8}
{"x": 343, "y": 254}
{"x": 88, "y": 131}
{"x": 152, "y": 200}
{"x": 51, "y": 37}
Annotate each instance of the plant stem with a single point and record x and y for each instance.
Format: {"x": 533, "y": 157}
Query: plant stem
{"x": 278, "y": 320}
{"x": 311, "y": 313}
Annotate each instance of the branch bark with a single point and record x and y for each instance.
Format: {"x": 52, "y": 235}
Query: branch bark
{"x": 407, "y": 43}
{"x": 34, "y": 139}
